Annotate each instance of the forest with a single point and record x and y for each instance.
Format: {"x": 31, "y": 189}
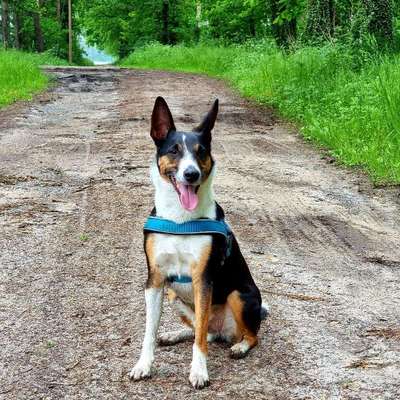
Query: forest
{"x": 330, "y": 66}
{"x": 121, "y": 26}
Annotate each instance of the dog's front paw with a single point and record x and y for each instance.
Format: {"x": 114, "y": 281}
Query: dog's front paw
{"x": 199, "y": 379}
{"x": 141, "y": 370}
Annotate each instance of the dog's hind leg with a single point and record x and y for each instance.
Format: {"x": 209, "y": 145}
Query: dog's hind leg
{"x": 241, "y": 349}
{"x": 174, "y": 337}
{"x": 186, "y": 314}
{"x": 247, "y": 317}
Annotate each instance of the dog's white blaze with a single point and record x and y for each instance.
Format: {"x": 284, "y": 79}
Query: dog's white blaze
{"x": 167, "y": 201}
{"x": 198, "y": 372}
{"x": 154, "y": 299}
{"x": 186, "y": 161}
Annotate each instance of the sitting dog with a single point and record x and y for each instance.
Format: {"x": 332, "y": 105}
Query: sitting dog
{"x": 193, "y": 253}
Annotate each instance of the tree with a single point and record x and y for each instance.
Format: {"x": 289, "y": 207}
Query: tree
{"x": 121, "y": 26}
{"x": 165, "y": 34}
{"x": 58, "y": 6}
{"x": 70, "y": 34}
{"x": 17, "y": 27}
{"x": 5, "y": 23}
{"x": 381, "y": 23}
{"x": 284, "y": 16}
{"x": 235, "y": 20}
{"x": 361, "y": 18}
{"x": 39, "y": 42}
{"x": 320, "y": 20}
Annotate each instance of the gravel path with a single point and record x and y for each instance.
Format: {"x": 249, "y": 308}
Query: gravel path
{"x": 322, "y": 243}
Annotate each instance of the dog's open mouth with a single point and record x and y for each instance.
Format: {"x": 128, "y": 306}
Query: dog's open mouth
{"x": 187, "y": 194}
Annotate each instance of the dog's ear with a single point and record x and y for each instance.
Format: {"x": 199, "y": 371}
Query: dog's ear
{"x": 161, "y": 120}
{"x": 208, "y": 122}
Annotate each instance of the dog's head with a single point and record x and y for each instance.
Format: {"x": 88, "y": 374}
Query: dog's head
{"x": 183, "y": 158}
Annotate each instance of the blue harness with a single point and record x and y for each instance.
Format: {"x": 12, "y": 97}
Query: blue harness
{"x": 201, "y": 226}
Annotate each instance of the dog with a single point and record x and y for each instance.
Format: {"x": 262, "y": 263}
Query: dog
{"x": 219, "y": 300}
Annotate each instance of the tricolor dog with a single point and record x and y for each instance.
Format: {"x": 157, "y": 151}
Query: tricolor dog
{"x": 191, "y": 251}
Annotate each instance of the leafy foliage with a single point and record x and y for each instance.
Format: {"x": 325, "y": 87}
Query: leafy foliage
{"x": 40, "y": 25}
{"x": 234, "y": 21}
{"x": 320, "y": 20}
{"x": 123, "y": 26}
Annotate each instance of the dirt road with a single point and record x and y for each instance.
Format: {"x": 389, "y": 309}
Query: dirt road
{"x": 323, "y": 246}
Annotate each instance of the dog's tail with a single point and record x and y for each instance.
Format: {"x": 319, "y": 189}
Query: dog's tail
{"x": 264, "y": 311}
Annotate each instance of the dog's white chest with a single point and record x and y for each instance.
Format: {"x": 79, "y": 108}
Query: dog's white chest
{"x": 176, "y": 255}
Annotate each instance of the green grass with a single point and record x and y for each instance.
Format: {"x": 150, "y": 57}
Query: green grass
{"x": 352, "y": 110}
{"x": 20, "y": 76}
{"x": 83, "y": 237}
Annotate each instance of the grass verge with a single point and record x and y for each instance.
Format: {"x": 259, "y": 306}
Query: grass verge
{"x": 352, "y": 110}
{"x": 20, "y": 76}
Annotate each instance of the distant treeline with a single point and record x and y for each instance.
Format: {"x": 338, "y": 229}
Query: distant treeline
{"x": 121, "y": 26}
{"x": 39, "y": 25}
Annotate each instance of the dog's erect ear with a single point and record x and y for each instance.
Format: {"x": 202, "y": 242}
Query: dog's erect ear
{"x": 207, "y": 125}
{"x": 161, "y": 120}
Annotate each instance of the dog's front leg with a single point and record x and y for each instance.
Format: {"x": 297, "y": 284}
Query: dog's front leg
{"x": 154, "y": 301}
{"x": 202, "y": 302}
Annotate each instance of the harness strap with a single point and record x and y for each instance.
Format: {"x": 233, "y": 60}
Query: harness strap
{"x": 179, "y": 279}
{"x": 196, "y": 227}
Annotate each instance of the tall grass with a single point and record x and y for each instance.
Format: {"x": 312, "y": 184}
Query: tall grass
{"x": 20, "y": 76}
{"x": 350, "y": 109}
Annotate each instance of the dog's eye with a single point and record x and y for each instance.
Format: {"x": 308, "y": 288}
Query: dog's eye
{"x": 202, "y": 152}
{"x": 174, "y": 151}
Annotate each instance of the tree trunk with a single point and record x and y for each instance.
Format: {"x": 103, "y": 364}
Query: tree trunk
{"x": 17, "y": 27}
{"x": 252, "y": 26}
{"x": 59, "y": 11}
{"x": 320, "y": 19}
{"x": 198, "y": 21}
{"x": 165, "y": 17}
{"x": 381, "y": 23}
{"x": 39, "y": 42}
{"x": 285, "y": 31}
{"x": 5, "y": 19}
{"x": 291, "y": 30}
{"x": 70, "y": 55}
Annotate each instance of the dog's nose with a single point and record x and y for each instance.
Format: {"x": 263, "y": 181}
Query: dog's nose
{"x": 191, "y": 174}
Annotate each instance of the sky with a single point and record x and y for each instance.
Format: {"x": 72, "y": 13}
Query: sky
{"x": 95, "y": 55}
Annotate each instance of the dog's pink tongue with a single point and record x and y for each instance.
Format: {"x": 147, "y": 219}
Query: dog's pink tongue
{"x": 188, "y": 197}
